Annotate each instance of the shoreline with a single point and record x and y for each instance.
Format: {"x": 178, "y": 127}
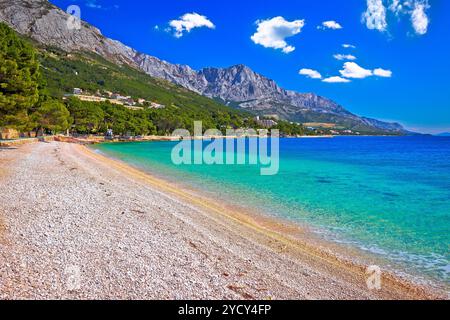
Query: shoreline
{"x": 116, "y": 221}
{"x": 287, "y": 232}
{"x": 351, "y": 253}
{"x": 101, "y": 139}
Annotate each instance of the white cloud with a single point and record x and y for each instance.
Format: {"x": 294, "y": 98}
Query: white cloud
{"x": 344, "y": 57}
{"x": 93, "y": 4}
{"x": 310, "y": 73}
{"x": 353, "y": 70}
{"x": 350, "y": 70}
{"x": 330, "y": 25}
{"x": 419, "y": 18}
{"x": 375, "y": 15}
{"x": 382, "y": 73}
{"x": 347, "y": 46}
{"x": 336, "y": 79}
{"x": 272, "y": 33}
{"x": 396, "y": 7}
{"x": 188, "y": 22}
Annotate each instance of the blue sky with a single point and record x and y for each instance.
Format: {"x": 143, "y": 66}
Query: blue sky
{"x": 401, "y": 66}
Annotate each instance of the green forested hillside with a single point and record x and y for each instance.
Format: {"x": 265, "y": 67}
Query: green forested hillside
{"x": 24, "y": 104}
{"x": 19, "y": 80}
{"x": 34, "y": 80}
{"x": 63, "y": 72}
{"x": 92, "y": 73}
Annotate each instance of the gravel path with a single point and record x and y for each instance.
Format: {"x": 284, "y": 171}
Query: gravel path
{"x": 74, "y": 227}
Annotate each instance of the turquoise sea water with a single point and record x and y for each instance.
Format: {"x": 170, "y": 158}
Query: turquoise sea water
{"x": 389, "y": 196}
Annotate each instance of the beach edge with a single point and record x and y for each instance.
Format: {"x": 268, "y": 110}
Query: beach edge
{"x": 268, "y": 227}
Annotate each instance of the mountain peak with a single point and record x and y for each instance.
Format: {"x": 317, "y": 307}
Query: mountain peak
{"x": 241, "y": 68}
{"x": 47, "y": 24}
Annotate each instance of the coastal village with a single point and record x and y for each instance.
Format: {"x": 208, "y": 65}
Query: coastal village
{"x": 104, "y": 96}
{"x": 115, "y": 98}
{"x": 270, "y": 121}
{"x": 266, "y": 121}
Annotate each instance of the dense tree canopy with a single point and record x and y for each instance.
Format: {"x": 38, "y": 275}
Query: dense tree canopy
{"x": 87, "y": 116}
{"x": 52, "y": 116}
{"x": 19, "y": 79}
{"x": 123, "y": 121}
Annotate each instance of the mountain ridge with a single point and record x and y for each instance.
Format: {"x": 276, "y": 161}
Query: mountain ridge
{"x": 237, "y": 85}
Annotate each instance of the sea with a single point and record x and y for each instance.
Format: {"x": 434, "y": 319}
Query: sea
{"x": 388, "y": 197}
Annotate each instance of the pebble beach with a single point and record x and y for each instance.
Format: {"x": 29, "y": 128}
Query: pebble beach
{"x": 77, "y": 225}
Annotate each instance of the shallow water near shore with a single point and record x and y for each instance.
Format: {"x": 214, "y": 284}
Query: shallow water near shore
{"x": 389, "y": 196}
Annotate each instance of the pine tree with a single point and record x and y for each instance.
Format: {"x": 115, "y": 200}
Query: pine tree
{"x": 19, "y": 80}
{"x": 53, "y": 116}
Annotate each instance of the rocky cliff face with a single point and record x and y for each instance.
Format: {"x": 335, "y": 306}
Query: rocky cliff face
{"x": 47, "y": 24}
{"x": 178, "y": 74}
{"x": 238, "y": 85}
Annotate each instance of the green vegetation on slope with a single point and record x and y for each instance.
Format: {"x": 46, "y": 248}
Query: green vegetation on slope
{"x": 24, "y": 106}
{"x": 19, "y": 79}
{"x": 92, "y": 73}
{"x": 33, "y": 83}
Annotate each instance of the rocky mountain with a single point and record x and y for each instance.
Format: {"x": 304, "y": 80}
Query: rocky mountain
{"x": 237, "y": 86}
